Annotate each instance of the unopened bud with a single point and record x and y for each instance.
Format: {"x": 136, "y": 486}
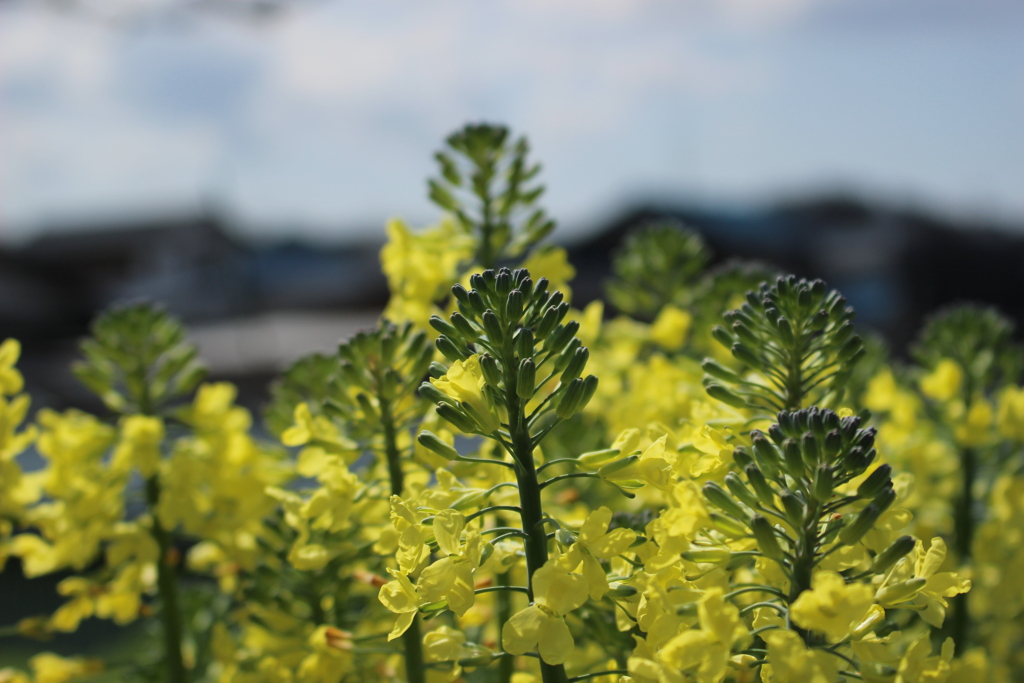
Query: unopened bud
{"x": 434, "y": 443}
{"x": 767, "y": 542}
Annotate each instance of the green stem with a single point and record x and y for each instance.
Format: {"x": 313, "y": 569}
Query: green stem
{"x": 167, "y": 584}
{"x": 506, "y": 665}
{"x": 960, "y": 625}
{"x": 531, "y": 509}
{"x": 412, "y": 639}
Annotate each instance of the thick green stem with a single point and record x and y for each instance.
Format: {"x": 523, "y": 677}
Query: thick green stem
{"x": 804, "y": 556}
{"x": 531, "y": 510}
{"x": 167, "y": 584}
{"x": 960, "y": 625}
{"x": 412, "y": 639}
{"x": 506, "y": 665}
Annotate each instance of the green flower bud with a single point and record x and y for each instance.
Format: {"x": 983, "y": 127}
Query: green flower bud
{"x": 492, "y": 326}
{"x": 565, "y": 537}
{"x": 719, "y": 371}
{"x": 514, "y": 305}
{"x": 456, "y": 417}
{"x": 760, "y": 485}
{"x": 527, "y": 380}
{"x": 449, "y": 350}
{"x": 434, "y": 443}
{"x": 366, "y": 405}
{"x": 738, "y": 489}
{"x": 621, "y": 591}
{"x": 900, "y": 592}
{"x": 718, "y": 497}
{"x": 785, "y": 331}
{"x": 861, "y": 524}
{"x": 794, "y": 458}
{"x": 811, "y": 452}
{"x": 443, "y": 326}
{"x": 727, "y": 525}
{"x": 476, "y": 302}
{"x": 571, "y": 397}
{"x": 464, "y": 327}
{"x": 793, "y": 506}
{"x": 547, "y": 323}
{"x": 491, "y": 370}
{"x": 896, "y": 551}
{"x": 708, "y": 555}
{"x": 524, "y": 342}
{"x": 720, "y": 393}
{"x": 722, "y": 336}
{"x": 561, "y": 336}
{"x": 576, "y": 365}
{"x": 435, "y": 395}
{"x": 823, "y": 483}
{"x": 767, "y": 542}
{"x": 595, "y": 458}
{"x": 741, "y": 456}
{"x": 565, "y": 357}
{"x": 589, "y": 389}
{"x": 744, "y": 355}
{"x": 876, "y": 482}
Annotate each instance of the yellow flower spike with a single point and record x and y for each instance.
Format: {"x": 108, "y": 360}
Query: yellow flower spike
{"x": 671, "y": 328}
{"x": 944, "y": 381}
{"x": 11, "y": 381}
{"x": 832, "y": 606}
{"x": 542, "y": 625}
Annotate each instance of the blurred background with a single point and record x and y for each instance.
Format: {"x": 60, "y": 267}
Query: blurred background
{"x": 237, "y": 159}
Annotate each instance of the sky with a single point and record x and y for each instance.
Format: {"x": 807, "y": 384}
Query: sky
{"x": 321, "y": 120}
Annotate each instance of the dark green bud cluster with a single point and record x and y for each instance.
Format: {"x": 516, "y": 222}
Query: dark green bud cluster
{"x": 139, "y": 360}
{"x": 385, "y": 366}
{"x": 797, "y": 335}
{"x": 979, "y": 339}
{"x": 795, "y": 473}
{"x": 658, "y": 264}
{"x": 486, "y": 182}
{"x": 519, "y": 331}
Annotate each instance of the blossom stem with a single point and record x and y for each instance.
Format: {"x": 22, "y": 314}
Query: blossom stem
{"x": 412, "y": 639}
{"x": 960, "y": 624}
{"x": 610, "y": 672}
{"x": 167, "y": 585}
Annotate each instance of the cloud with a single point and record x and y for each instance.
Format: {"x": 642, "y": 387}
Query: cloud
{"x": 328, "y": 114}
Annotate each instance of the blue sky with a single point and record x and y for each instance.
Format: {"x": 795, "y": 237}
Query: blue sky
{"x": 322, "y": 121}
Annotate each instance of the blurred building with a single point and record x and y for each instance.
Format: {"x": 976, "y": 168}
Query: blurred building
{"x": 253, "y": 308}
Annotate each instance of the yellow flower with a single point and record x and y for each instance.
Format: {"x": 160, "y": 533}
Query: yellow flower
{"x": 50, "y": 668}
{"x": 832, "y": 606}
{"x": 464, "y": 383}
{"x": 976, "y": 427}
{"x": 400, "y": 596}
{"x": 917, "y": 578}
{"x": 1010, "y": 414}
{"x": 139, "y": 447}
{"x": 552, "y": 263}
{"x": 11, "y": 381}
{"x": 944, "y": 381}
{"x": 596, "y": 543}
{"x": 451, "y": 577}
{"x": 670, "y": 329}
{"x": 556, "y": 592}
{"x": 792, "y": 662}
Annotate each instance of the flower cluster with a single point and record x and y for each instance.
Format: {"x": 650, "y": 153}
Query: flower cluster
{"x": 715, "y": 480}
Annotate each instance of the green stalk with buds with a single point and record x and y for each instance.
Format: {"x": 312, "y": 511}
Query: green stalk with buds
{"x": 516, "y": 329}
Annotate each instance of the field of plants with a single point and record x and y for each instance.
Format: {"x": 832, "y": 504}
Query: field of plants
{"x": 709, "y": 477}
